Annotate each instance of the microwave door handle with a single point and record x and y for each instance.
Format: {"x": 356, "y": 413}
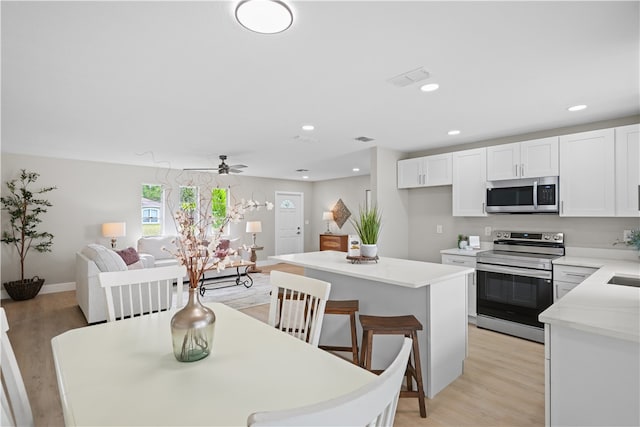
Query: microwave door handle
{"x": 535, "y": 194}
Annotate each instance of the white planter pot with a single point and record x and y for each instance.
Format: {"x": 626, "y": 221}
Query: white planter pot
{"x": 369, "y": 250}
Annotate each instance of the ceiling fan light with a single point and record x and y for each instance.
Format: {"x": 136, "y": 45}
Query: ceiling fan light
{"x": 264, "y": 16}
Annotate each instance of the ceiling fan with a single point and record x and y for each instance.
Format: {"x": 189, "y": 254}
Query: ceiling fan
{"x": 222, "y": 169}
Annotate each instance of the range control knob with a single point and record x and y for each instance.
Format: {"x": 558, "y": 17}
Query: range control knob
{"x": 498, "y": 235}
{"x": 557, "y": 237}
{"x": 546, "y": 237}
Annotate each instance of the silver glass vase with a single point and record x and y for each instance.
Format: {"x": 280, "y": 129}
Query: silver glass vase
{"x": 192, "y": 330}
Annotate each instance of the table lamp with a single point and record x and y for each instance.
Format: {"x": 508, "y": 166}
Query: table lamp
{"x": 327, "y": 216}
{"x": 254, "y": 227}
{"x": 114, "y": 230}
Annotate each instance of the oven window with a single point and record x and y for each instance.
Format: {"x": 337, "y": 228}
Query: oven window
{"x": 510, "y": 196}
{"x": 509, "y": 289}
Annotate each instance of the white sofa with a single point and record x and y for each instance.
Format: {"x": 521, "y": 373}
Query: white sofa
{"x": 89, "y": 293}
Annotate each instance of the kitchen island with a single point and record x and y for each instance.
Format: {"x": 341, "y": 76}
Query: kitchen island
{"x": 435, "y": 294}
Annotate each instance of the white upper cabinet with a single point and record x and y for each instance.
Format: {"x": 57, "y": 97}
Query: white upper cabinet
{"x": 527, "y": 159}
{"x": 587, "y": 176}
{"x": 627, "y": 165}
{"x": 470, "y": 182}
{"x": 425, "y": 171}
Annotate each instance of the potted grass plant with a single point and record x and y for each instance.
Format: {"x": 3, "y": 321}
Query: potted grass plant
{"x": 25, "y": 207}
{"x": 367, "y": 225}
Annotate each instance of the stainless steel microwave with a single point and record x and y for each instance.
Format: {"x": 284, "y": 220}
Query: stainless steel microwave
{"x": 530, "y": 195}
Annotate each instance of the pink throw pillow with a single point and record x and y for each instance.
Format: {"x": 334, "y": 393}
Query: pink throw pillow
{"x": 129, "y": 255}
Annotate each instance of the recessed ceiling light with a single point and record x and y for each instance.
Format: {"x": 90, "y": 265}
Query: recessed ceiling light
{"x": 356, "y": 169}
{"x": 264, "y": 16}
{"x": 308, "y": 127}
{"x": 453, "y": 132}
{"x": 430, "y": 87}
{"x": 305, "y": 176}
{"x": 577, "y": 107}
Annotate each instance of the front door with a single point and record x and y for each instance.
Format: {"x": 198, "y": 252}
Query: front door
{"x": 289, "y": 209}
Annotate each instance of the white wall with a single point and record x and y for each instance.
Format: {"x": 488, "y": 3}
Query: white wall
{"x": 325, "y": 196}
{"x": 91, "y": 193}
{"x": 393, "y": 203}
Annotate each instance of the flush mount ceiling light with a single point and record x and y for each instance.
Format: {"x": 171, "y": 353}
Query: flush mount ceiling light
{"x": 356, "y": 169}
{"x": 430, "y": 87}
{"x": 264, "y": 16}
{"x": 308, "y": 127}
{"x": 453, "y": 132}
{"x": 577, "y": 107}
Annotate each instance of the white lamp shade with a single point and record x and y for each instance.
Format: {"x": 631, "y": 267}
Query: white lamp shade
{"x": 327, "y": 216}
{"x": 114, "y": 229}
{"x": 254, "y": 227}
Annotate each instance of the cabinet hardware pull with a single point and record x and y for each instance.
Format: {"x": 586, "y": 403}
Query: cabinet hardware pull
{"x": 522, "y": 170}
{"x": 516, "y": 169}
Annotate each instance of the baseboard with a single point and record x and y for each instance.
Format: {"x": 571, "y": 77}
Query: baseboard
{"x": 48, "y": 289}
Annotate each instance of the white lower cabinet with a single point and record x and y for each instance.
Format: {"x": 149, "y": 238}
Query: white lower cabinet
{"x": 567, "y": 277}
{"x": 590, "y": 379}
{"x": 466, "y": 261}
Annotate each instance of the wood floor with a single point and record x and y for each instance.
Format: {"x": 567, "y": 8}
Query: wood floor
{"x": 503, "y": 382}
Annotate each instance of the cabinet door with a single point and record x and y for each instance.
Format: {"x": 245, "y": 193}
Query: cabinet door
{"x": 466, "y": 261}
{"x": 410, "y": 173}
{"x": 503, "y": 161}
{"x": 587, "y": 178}
{"x": 469, "y": 182}
{"x": 627, "y": 165}
{"x": 437, "y": 169}
{"x": 539, "y": 157}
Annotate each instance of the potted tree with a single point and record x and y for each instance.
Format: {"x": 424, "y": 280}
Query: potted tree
{"x": 25, "y": 208}
{"x": 367, "y": 225}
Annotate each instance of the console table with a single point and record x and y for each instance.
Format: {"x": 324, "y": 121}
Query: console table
{"x": 247, "y": 281}
{"x": 254, "y": 258}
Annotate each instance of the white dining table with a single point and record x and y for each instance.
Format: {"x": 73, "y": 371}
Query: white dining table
{"x": 124, "y": 373}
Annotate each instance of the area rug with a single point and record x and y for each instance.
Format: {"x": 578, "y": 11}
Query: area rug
{"x": 238, "y": 296}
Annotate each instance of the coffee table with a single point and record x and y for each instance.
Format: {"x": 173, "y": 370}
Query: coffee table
{"x": 247, "y": 281}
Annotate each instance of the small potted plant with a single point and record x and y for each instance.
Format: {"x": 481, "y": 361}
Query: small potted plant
{"x": 367, "y": 225}
{"x": 25, "y": 208}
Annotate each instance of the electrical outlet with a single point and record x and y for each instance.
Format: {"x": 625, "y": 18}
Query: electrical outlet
{"x": 487, "y": 231}
{"x": 439, "y": 228}
{"x": 626, "y": 235}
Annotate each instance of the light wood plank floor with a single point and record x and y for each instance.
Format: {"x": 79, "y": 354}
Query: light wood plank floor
{"x": 503, "y": 382}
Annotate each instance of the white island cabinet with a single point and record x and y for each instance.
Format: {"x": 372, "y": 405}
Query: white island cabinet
{"x": 434, "y": 293}
{"x": 592, "y": 349}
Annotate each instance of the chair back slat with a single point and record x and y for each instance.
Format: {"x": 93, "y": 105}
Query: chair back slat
{"x": 16, "y": 409}
{"x": 138, "y": 292}
{"x": 373, "y": 404}
{"x": 297, "y": 305}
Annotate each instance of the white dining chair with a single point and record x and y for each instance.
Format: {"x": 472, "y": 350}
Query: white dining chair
{"x": 373, "y": 404}
{"x": 16, "y": 409}
{"x": 298, "y": 304}
{"x": 136, "y": 292}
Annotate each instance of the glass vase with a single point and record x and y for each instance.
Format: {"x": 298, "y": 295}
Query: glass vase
{"x": 192, "y": 329}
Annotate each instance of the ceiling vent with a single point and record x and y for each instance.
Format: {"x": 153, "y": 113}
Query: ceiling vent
{"x": 409, "y": 77}
{"x": 363, "y": 139}
{"x": 302, "y": 170}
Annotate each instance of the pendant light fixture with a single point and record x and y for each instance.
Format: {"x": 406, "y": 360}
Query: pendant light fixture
{"x": 264, "y": 16}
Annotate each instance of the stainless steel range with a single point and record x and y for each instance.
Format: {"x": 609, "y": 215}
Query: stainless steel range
{"x": 515, "y": 282}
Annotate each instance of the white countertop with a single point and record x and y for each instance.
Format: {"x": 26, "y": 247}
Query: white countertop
{"x": 463, "y": 252}
{"x": 597, "y": 307}
{"x": 401, "y": 272}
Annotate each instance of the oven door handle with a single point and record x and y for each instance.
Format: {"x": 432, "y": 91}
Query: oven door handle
{"x": 525, "y": 272}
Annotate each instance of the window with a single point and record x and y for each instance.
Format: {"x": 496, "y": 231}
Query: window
{"x": 152, "y": 209}
{"x": 189, "y": 199}
{"x": 219, "y": 203}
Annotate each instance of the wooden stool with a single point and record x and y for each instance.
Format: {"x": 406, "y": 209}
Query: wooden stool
{"x": 395, "y": 325}
{"x": 349, "y": 307}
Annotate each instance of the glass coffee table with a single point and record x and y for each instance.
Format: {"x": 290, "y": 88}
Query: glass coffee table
{"x": 237, "y": 280}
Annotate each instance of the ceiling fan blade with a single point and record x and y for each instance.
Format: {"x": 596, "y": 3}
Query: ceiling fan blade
{"x": 200, "y": 169}
{"x": 235, "y": 170}
{"x": 237, "y": 166}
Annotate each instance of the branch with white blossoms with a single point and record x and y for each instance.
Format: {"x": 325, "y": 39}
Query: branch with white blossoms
{"x": 196, "y": 245}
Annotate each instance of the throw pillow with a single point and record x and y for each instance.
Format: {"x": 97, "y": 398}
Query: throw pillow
{"x": 129, "y": 255}
{"x": 222, "y": 250}
{"x": 105, "y": 259}
{"x": 136, "y": 265}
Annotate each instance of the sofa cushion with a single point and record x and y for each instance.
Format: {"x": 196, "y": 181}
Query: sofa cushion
{"x": 154, "y": 246}
{"x": 104, "y": 258}
{"x": 129, "y": 255}
{"x": 136, "y": 265}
